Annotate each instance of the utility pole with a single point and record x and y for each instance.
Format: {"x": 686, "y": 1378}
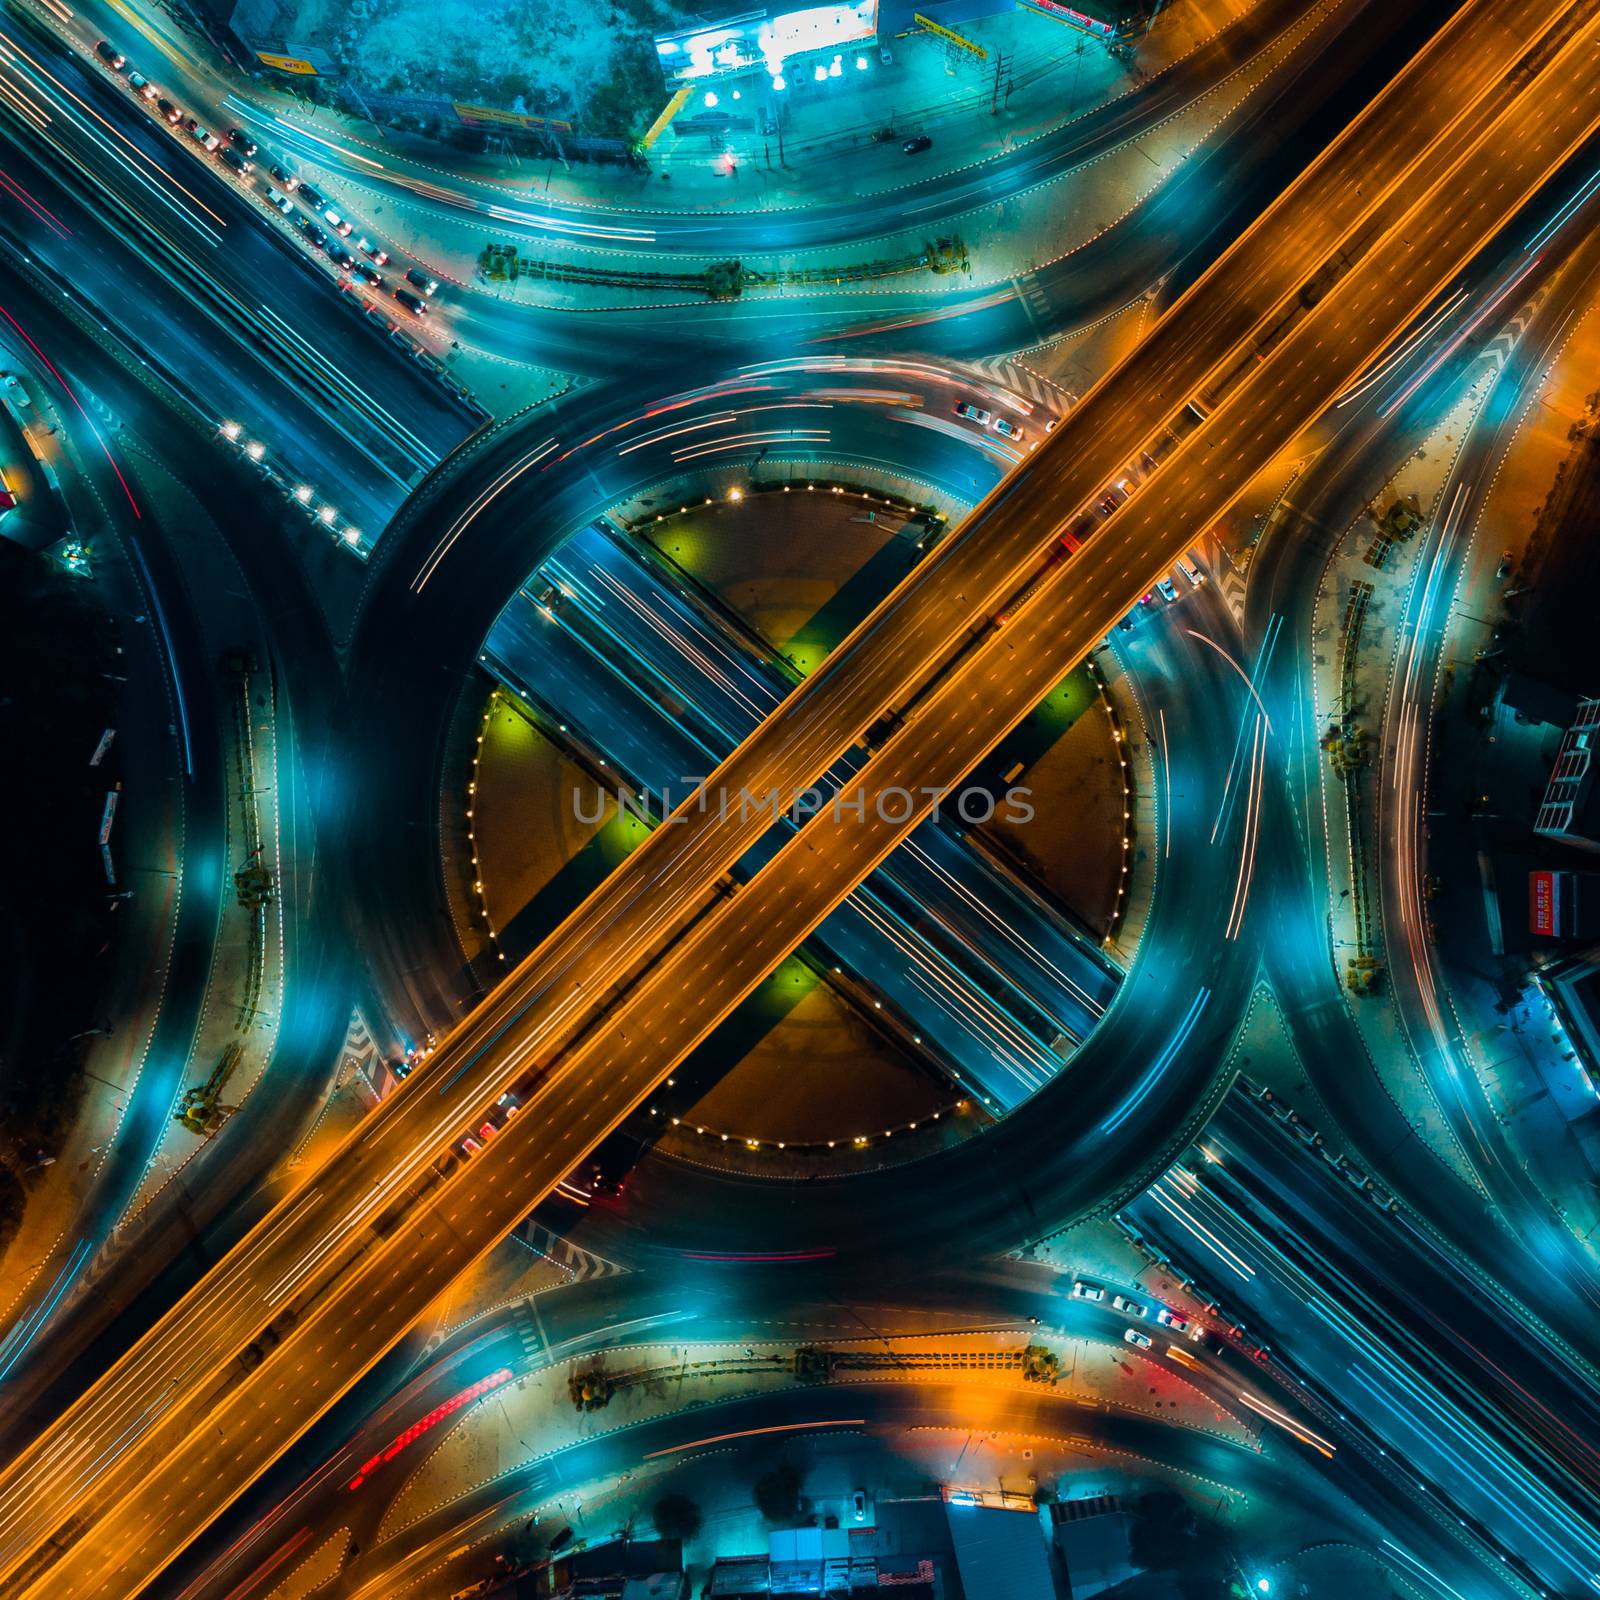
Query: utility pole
{"x": 994, "y": 97}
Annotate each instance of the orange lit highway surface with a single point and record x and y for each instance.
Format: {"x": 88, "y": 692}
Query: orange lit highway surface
{"x": 617, "y": 995}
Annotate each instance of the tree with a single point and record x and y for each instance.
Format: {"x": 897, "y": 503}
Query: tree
{"x": 777, "y": 1492}
{"x": 1165, "y": 1536}
{"x": 676, "y": 1516}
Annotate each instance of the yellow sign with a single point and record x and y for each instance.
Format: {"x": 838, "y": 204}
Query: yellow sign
{"x": 477, "y": 116}
{"x": 668, "y": 112}
{"x": 950, "y": 37}
{"x": 286, "y": 64}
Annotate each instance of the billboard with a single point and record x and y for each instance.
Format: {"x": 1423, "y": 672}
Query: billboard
{"x": 1543, "y": 903}
{"x": 493, "y": 117}
{"x": 950, "y": 36}
{"x": 1077, "y": 19}
{"x": 759, "y": 39}
{"x": 295, "y": 64}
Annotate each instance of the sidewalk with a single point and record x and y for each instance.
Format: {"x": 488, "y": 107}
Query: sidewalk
{"x": 244, "y": 987}
{"x": 519, "y": 1425}
{"x": 1357, "y": 630}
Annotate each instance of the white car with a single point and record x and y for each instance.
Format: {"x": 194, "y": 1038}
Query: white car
{"x": 1171, "y": 1319}
{"x": 974, "y": 413}
{"x": 1008, "y": 430}
{"x": 1086, "y": 1291}
{"x": 281, "y": 201}
{"x": 1140, "y": 1341}
{"x": 15, "y": 393}
{"x": 337, "y": 223}
{"x": 1130, "y": 1308}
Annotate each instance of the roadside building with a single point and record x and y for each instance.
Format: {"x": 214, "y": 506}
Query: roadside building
{"x": 1569, "y": 811}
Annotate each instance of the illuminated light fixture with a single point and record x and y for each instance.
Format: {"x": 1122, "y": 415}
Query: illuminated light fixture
{"x": 255, "y": 450}
{"x": 861, "y": 63}
{"x": 327, "y": 514}
{"x": 835, "y": 67}
{"x": 821, "y": 73}
{"x": 352, "y": 536}
{"x": 737, "y": 95}
{"x": 711, "y": 99}
{"x": 779, "y": 83}
{"x": 230, "y": 430}
{"x": 736, "y": 494}
{"x": 303, "y": 494}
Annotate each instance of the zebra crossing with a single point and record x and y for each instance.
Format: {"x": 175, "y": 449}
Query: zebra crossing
{"x": 581, "y": 1265}
{"x": 358, "y": 1051}
{"x": 1006, "y": 372}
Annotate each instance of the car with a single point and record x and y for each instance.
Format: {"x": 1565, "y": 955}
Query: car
{"x": 420, "y": 280}
{"x": 142, "y": 86}
{"x": 1086, "y": 1291}
{"x": 372, "y": 252}
{"x": 1191, "y": 572}
{"x": 241, "y": 141}
{"x": 1130, "y": 1308}
{"x": 1171, "y": 1319}
{"x": 284, "y": 178}
{"x": 15, "y": 393}
{"x": 368, "y": 273}
{"x": 235, "y": 162}
{"x": 1140, "y": 1341}
{"x": 498, "y": 1115}
{"x": 112, "y": 56}
{"x": 336, "y": 222}
{"x": 414, "y": 303}
{"x": 915, "y": 146}
{"x": 8, "y": 500}
{"x": 1007, "y": 430}
{"x": 202, "y": 135}
{"x": 1126, "y": 622}
{"x": 858, "y": 1505}
{"x": 173, "y": 114}
{"x": 310, "y": 196}
{"x": 313, "y": 233}
{"x": 276, "y": 197}
{"x": 973, "y": 413}
{"x": 340, "y": 256}
{"x": 1168, "y": 592}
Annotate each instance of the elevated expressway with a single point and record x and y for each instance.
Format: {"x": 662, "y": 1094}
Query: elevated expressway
{"x": 602, "y": 1010}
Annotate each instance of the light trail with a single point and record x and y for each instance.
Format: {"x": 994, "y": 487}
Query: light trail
{"x": 1152, "y": 1076}
{"x": 755, "y": 1433}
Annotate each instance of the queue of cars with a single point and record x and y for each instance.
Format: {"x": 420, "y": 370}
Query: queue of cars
{"x": 1137, "y": 1311}
{"x": 985, "y": 418}
{"x": 326, "y": 229}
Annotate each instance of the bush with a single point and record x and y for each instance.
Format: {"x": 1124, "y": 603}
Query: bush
{"x": 777, "y": 1492}
{"x": 676, "y": 1516}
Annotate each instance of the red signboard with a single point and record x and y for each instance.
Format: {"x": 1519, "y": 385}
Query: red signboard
{"x": 1053, "y": 8}
{"x": 1542, "y": 903}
